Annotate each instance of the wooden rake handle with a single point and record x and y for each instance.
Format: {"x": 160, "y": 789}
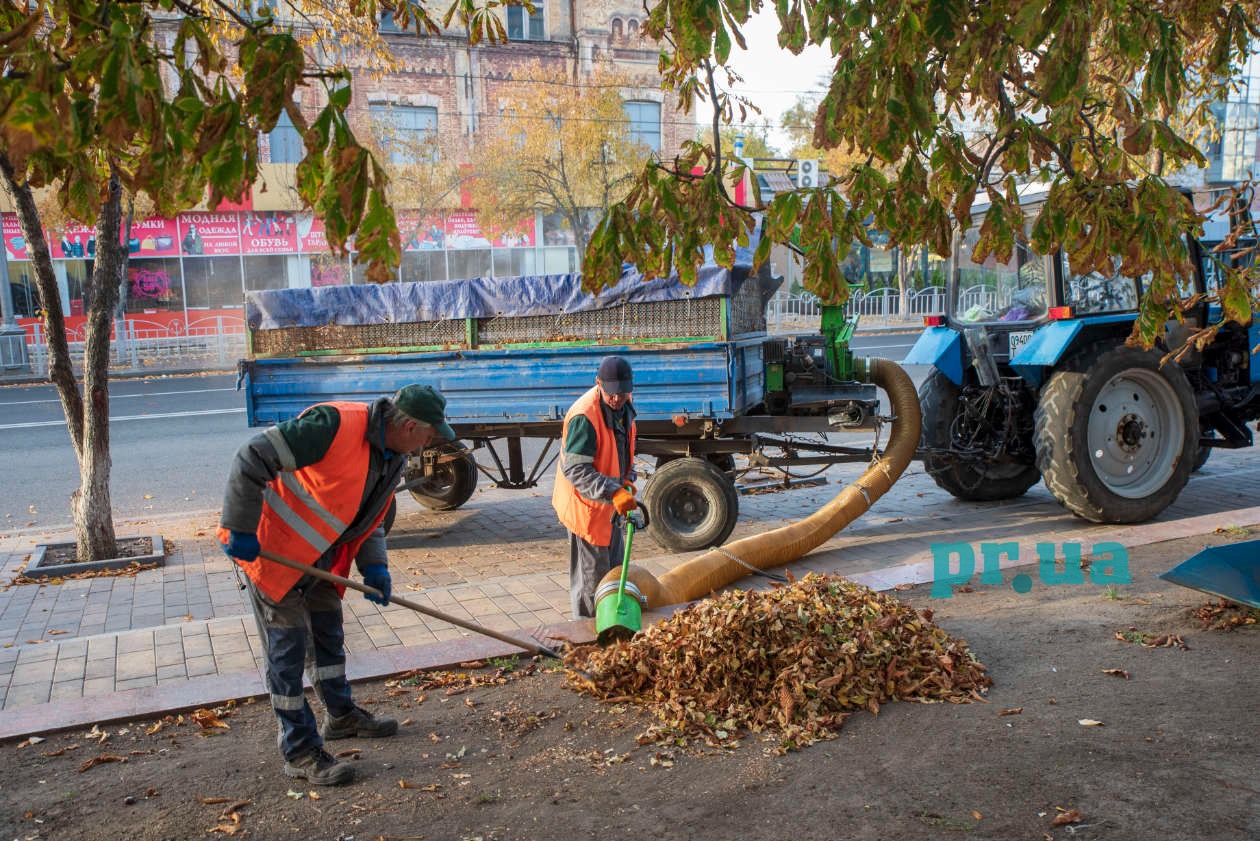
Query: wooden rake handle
{"x": 530, "y": 646}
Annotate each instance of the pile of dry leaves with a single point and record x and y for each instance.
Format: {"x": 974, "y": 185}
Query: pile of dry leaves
{"x": 796, "y": 660}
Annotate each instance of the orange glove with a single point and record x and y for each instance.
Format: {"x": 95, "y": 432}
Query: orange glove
{"x": 623, "y": 500}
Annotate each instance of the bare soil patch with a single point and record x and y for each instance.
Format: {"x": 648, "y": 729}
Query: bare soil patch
{"x": 1087, "y": 733}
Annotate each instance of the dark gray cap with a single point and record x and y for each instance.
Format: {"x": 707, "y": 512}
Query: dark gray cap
{"x": 615, "y": 375}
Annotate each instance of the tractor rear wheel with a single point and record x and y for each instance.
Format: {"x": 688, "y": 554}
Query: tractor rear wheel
{"x": 1117, "y": 434}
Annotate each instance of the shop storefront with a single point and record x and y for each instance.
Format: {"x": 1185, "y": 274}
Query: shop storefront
{"x": 200, "y": 264}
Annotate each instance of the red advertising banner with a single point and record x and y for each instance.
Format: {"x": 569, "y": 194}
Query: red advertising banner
{"x": 269, "y": 232}
{"x": 14, "y": 241}
{"x": 77, "y": 242}
{"x": 310, "y": 232}
{"x": 463, "y": 230}
{"x": 519, "y": 236}
{"x": 211, "y": 234}
{"x": 153, "y": 237}
{"x": 421, "y": 233}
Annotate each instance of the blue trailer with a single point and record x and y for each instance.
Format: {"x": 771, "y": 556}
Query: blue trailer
{"x": 511, "y": 355}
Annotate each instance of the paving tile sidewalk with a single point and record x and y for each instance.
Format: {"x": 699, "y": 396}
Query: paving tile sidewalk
{"x": 181, "y": 635}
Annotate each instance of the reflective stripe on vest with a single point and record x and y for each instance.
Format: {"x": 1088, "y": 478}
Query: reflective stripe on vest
{"x": 305, "y": 512}
{"x": 589, "y": 519}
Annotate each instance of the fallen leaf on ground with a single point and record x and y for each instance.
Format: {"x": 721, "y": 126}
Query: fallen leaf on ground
{"x": 33, "y": 740}
{"x": 1089, "y": 722}
{"x": 1116, "y": 673}
{"x": 977, "y": 815}
{"x": 1012, "y": 711}
{"x": 208, "y": 719}
{"x": 101, "y": 760}
{"x": 295, "y": 795}
{"x": 1069, "y": 817}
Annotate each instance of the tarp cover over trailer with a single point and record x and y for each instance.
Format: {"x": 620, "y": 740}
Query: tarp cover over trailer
{"x": 485, "y": 379}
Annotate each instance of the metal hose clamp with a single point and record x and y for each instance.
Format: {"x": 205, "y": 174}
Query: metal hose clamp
{"x": 609, "y": 587}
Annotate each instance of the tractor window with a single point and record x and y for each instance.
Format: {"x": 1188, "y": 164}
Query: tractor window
{"x": 990, "y": 291}
{"x": 1096, "y": 292}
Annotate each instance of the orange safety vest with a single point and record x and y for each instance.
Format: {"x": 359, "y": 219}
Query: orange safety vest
{"x": 589, "y": 519}
{"x": 306, "y": 511}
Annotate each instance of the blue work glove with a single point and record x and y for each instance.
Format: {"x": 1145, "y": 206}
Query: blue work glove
{"x": 243, "y": 546}
{"x": 377, "y": 575}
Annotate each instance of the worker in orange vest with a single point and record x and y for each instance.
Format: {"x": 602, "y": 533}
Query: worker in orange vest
{"x": 316, "y": 489}
{"x": 595, "y": 483}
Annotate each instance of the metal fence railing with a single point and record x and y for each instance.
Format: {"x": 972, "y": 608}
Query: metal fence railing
{"x": 217, "y": 342}
{"x": 209, "y": 343}
{"x": 879, "y": 305}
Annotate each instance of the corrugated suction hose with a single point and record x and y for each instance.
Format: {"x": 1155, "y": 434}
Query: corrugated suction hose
{"x": 714, "y": 569}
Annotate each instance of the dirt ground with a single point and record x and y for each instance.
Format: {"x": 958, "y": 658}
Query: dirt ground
{"x": 1175, "y": 756}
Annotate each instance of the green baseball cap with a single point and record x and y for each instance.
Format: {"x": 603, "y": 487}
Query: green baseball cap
{"x": 427, "y": 405}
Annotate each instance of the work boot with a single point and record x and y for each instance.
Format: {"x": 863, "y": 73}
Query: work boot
{"x": 319, "y": 768}
{"x": 358, "y": 722}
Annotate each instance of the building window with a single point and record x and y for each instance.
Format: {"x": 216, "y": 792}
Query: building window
{"x": 645, "y": 123}
{"x": 523, "y": 26}
{"x": 407, "y": 132}
{"x": 285, "y": 142}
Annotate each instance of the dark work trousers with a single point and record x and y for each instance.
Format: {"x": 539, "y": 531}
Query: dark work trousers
{"x": 589, "y": 563}
{"x": 303, "y": 629}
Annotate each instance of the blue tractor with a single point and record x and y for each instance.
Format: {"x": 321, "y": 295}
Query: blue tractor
{"x": 1032, "y": 380}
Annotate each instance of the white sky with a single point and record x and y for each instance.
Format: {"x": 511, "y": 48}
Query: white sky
{"x": 773, "y": 77}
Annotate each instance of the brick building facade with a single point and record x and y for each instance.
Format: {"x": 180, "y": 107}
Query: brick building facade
{"x": 445, "y": 90}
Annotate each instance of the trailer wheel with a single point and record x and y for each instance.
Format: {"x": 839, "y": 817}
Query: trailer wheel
{"x": 973, "y": 481}
{"x": 1117, "y": 434}
{"x": 450, "y": 486}
{"x": 692, "y": 504}
{"x": 722, "y": 461}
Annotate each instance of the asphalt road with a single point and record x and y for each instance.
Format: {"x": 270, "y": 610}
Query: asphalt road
{"x": 172, "y": 439}
{"x": 892, "y": 346}
{"x": 171, "y": 442}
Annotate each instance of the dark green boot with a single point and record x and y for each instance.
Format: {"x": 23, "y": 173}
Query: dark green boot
{"x": 358, "y": 723}
{"x": 319, "y": 768}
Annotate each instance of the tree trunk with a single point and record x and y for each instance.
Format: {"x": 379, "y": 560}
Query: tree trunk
{"x": 903, "y": 279}
{"x": 93, "y": 509}
{"x": 87, "y": 421}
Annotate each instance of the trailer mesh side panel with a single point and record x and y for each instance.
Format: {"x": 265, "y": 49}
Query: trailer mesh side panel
{"x": 626, "y": 323}
{"x": 689, "y": 317}
{"x": 748, "y": 314}
{"x": 332, "y": 337}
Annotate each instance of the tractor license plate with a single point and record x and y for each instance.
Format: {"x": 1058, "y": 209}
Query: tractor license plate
{"x": 1018, "y": 340}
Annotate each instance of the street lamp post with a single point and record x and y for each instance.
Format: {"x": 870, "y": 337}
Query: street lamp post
{"x": 12, "y": 337}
